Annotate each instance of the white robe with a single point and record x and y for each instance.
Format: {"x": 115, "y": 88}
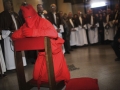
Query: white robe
{"x": 93, "y": 34}
{"x": 2, "y": 63}
{"x": 60, "y": 35}
{"x": 73, "y": 35}
{"x": 63, "y": 48}
{"x": 73, "y": 38}
{"x": 81, "y": 37}
{"x": 9, "y": 51}
{"x": 110, "y": 33}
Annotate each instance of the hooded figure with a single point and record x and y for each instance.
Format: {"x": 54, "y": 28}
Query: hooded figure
{"x": 36, "y": 26}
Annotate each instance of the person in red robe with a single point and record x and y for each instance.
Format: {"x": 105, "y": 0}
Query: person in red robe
{"x": 35, "y": 26}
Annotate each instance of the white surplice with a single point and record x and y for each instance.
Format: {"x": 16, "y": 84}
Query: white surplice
{"x": 73, "y": 35}
{"x": 60, "y": 35}
{"x": 109, "y": 33}
{"x": 2, "y": 62}
{"x": 93, "y": 34}
{"x": 9, "y": 49}
{"x": 81, "y": 35}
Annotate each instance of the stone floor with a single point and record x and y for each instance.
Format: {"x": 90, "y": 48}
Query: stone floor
{"x": 89, "y": 61}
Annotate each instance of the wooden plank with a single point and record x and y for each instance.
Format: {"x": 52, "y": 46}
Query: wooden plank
{"x": 20, "y": 71}
{"x": 34, "y": 43}
{"x": 49, "y": 64}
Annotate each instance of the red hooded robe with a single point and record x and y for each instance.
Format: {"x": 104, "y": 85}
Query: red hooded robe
{"x": 35, "y": 26}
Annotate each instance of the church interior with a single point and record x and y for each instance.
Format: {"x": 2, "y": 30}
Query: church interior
{"x": 93, "y": 53}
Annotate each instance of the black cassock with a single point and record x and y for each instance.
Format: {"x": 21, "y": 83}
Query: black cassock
{"x": 9, "y": 22}
{"x": 6, "y": 23}
{"x": 51, "y": 19}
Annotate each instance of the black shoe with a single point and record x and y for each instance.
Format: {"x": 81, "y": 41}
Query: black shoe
{"x": 67, "y": 52}
{"x": 117, "y": 59}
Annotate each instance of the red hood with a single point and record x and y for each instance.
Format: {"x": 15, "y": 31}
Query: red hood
{"x": 30, "y": 15}
{"x": 34, "y": 26}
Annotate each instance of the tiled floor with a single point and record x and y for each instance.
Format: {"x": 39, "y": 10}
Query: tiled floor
{"x": 90, "y": 61}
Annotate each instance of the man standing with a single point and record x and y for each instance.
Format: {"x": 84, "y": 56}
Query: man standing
{"x": 92, "y": 27}
{"x": 109, "y": 30}
{"x": 9, "y": 22}
{"x": 81, "y": 35}
{"x": 101, "y": 29}
{"x": 55, "y": 19}
{"x": 41, "y": 11}
{"x": 73, "y": 28}
{"x": 2, "y": 62}
{"x": 116, "y": 14}
{"x": 66, "y": 34}
{"x": 116, "y": 42}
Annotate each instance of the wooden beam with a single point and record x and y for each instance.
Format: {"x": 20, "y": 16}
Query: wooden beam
{"x": 20, "y": 71}
{"x": 49, "y": 64}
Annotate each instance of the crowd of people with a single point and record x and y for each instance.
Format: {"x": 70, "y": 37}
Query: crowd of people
{"x": 76, "y": 30}
{"x": 79, "y": 29}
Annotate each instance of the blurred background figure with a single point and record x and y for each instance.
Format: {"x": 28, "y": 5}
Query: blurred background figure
{"x": 81, "y": 35}
{"x": 9, "y": 22}
{"x": 92, "y": 25}
{"x": 41, "y": 11}
{"x": 73, "y": 28}
{"x": 55, "y": 19}
{"x": 109, "y": 30}
{"x": 101, "y": 29}
{"x": 66, "y": 34}
{"x": 2, "y": 61}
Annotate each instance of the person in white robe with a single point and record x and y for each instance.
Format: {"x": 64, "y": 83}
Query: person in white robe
{"x": 81, "y": 35}
{"x": 6, "y": 32}
{"x": 54, "y": 18}
{"x": 9, "y": 51}
{"x": 109, "y": 29}
{"x": 92, "y": 26}
{"x": 74, "y": 29}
